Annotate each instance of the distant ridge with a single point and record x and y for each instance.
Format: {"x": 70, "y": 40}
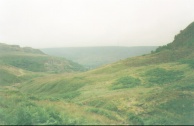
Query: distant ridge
{"x": 92, "y": 57}
{"x": 17, "y": 48}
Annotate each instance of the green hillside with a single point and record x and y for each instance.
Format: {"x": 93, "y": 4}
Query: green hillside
{"x": 34, "y": 60}
{"x": 184, "y": 40}
{"x": 153, "y": 89}
{"x": 92, "y": 57}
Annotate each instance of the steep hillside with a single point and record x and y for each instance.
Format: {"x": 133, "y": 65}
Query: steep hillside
{"x": 184, "y": 40}
{"x": 152, "y": 89}
{"x": 35, "y": 60}
{"x": 92, "y": 57}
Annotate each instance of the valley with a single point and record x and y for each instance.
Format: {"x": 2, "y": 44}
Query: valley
{"x": 150, "y": 89}
{"x": 93, "y": 57}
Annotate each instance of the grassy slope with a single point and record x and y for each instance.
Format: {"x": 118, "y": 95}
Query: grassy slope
{"x": 88, "y": 101}
{"x": 10, "y": 75}
{"x": 154, "y": 100}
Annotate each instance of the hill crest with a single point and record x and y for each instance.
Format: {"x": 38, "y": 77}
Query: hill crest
{"x": 16, "y": 48}
{"x": 35, "y": 60}
{"x": 185, "y": 39}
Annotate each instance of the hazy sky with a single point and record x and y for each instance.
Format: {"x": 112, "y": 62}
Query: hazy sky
{"x": 61, "y": 23}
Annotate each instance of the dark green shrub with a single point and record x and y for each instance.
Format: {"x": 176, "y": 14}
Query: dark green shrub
{"x": 37, "y": 115}
{"x": 190, "y": 62}
{"x": 134, "y": 119}
{"x": 26, "y": 114}
{"x": 24, "y": 117}
{"x": 185, "y": 84}
{"x": 159, "y": 120}
{"x": 182, "y": 106}
{"x": 162, "y": 76}
{"x": 125, "y": 82}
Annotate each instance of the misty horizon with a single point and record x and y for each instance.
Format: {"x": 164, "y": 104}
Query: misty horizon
{"x": 90, "y": 23}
